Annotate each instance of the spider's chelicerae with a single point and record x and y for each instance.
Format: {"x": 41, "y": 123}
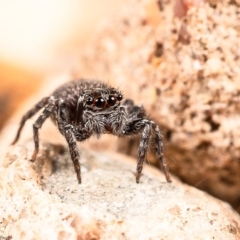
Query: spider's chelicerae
{"x": 84, "y": 108}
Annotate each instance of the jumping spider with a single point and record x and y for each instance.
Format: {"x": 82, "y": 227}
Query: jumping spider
{"x": 84, "y": 108}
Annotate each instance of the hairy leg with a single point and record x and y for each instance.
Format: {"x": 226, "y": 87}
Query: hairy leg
{"x": 159, "y": 151}
{"x": 146, "y": 126}
{"x": 37, "y": 125}
{"x": 69, "y": 131}
{"x": 142, "y": 150}
{"x": 134, "y": 126}
{"x": 28, "y": 115}
{"x": 73, "y": 149}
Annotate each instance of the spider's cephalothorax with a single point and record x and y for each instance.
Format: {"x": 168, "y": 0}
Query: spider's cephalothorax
{"x": 83, "y": 108}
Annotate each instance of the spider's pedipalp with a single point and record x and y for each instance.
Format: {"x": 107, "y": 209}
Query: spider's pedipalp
{"x": 117, "y": 120}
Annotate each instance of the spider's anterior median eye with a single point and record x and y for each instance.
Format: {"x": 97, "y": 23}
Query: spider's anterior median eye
{"x": 100, "y": 102}
{"x": 89, "y": 101}
{"x": 119, "y": 97}
{"x": 111, "y": 100}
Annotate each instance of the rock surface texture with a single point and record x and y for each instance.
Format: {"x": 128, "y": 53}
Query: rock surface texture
{"x": 186, "y": 72}
{"x": 42, "y": 200}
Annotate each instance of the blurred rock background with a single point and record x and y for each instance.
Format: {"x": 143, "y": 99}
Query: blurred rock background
{"x": 39, "y": 39}
{"x": 184, "y": 67}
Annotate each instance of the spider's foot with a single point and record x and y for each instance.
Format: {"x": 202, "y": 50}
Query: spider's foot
{"x": 14, "y": 141}
{"x": 166, "y": 173}
{"x": 168, "y": 178}
{"x": 138, "y": 175}
{"x": 34, "y": 156}
{"x": 79, "y": 178}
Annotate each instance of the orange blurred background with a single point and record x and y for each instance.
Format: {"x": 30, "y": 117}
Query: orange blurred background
{"x": 40, "y": 39}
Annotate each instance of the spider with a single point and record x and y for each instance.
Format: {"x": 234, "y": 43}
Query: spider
{"x": 82, "y": 108}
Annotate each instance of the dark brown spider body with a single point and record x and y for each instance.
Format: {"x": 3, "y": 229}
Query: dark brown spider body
{"x": 83, "y": 108}
{"x": 97, "y": 96}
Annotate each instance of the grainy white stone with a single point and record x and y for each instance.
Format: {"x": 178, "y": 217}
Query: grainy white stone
{"x": 107, "y": 205}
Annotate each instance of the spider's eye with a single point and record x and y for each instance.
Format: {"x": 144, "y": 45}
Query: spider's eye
{"x": 89, "y": 101}
{"x": 119, "y": 97}
{"x": 100, "y": 102}
{"x": 111, "y": 100}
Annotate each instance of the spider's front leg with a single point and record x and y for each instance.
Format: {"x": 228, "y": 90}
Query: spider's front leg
{"x": 145, "y": 126}
{"x": 67, "y": 130}
{"x": 73, "y": 149}
{"x": 72, "y": 134}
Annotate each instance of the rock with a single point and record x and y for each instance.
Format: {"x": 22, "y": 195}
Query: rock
{"x": 186, "y": 73}
{"x": 197, "y": 110}
{"x": 42, "y": 200}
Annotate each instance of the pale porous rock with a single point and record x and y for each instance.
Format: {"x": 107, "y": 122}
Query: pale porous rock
{"x": 186, "y": 72}
{"x": 42, "y": 200}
